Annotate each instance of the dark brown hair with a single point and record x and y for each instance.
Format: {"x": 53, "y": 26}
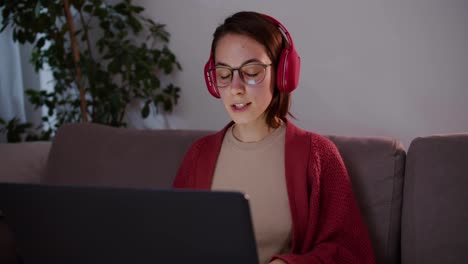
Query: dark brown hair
{"x": 265, "y": 32}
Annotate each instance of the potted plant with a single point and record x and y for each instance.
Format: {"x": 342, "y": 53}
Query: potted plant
{"x": 102, "y": 57}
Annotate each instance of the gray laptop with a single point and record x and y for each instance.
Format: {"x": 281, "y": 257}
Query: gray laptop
{"x": 84, "y": 225}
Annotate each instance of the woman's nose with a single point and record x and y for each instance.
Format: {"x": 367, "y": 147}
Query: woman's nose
{"x": 237, "y": 85}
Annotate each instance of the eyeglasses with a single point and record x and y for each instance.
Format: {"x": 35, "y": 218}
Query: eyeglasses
{"x": 250, "y": 74}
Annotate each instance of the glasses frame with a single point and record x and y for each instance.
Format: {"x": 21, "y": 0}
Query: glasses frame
{"x": 238, "y": 69}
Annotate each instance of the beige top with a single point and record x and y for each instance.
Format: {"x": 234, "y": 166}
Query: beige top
{"x": 257, "y": 169}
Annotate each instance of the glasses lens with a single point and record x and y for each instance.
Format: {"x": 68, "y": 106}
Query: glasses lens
{"x": 253, "y": 73}
{"x": 223, "y": 76}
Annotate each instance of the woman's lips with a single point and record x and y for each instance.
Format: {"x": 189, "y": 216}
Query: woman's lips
{"x": 240, "y": 107}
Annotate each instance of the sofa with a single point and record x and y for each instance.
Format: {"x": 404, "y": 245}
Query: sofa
{"x": 413, "y": 201}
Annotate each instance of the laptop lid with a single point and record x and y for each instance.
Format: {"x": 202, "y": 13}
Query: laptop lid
{"x": 84, "y": 225}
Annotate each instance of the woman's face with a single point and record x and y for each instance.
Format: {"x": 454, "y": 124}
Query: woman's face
{"x": 245, "y": 102}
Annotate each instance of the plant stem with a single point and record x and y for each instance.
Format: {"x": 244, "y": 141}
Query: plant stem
{"x": 90, "y": 76}
{"x": 76, "y": 58}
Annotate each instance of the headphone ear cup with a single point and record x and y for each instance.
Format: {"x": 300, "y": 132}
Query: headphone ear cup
{"x": 287, "y": 74}
{"x": 280, "y": 71}
{"x": 210, "y": 79}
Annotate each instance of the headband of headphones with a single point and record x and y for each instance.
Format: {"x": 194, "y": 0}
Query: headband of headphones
{"x": 287, "y": 72}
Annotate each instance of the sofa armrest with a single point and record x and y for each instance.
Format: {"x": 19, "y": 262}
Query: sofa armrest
{"x": 23, "y": 162}
{"x": 435, "y": 213}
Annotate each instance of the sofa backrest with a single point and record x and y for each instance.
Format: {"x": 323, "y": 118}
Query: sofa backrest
{"x": 376, "y": 169}
{"x": 435, "y": 205}
{"x": 91, "y": 154}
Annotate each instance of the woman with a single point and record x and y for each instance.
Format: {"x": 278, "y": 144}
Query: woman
{"x": 303, "y": 207}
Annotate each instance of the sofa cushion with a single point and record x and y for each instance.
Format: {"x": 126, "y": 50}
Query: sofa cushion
{"x": 435, "y": 211}
{"x": 92, "y": 154}
{"x": 376, "y": 169}
{"x": 23, "y": 162}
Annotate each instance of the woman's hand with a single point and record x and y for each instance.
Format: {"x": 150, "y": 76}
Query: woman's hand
{"x": 278, "y": 261}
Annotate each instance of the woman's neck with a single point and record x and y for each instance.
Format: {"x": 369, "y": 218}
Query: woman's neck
{"x": 251, "y": 132}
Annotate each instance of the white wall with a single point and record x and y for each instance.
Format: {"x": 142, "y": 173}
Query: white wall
{"x": 369, "y": 67}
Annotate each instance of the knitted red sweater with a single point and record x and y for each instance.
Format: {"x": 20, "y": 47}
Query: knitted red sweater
{"x": 327, "y": 224}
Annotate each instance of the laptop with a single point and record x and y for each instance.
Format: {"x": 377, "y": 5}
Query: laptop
{"x": 85, "y": 225}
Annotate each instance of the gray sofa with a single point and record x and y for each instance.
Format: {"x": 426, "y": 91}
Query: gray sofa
{"x": 413, "y": 202}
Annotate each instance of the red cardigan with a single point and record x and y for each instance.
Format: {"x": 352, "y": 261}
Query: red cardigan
{"x": 327, "y": 224}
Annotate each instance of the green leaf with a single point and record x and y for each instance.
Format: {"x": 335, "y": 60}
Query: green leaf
{"x": 158, "y": 99}
{"x": 88, "y": 8}
{"x": 137, "y": 9}
{"x": 5, "y": 24}
{"x": 146, "y": 109}
{"x": 121, "y": 8}
{"x": 78, "y": 4}
{"x": 134, "y": 24}
{"x": 168, "y": 105}
{"x": 40, "y": 43}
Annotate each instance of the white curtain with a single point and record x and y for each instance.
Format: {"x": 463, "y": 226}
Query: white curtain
{"x": 17, "y": 75}
{"x": 11, "y": 79}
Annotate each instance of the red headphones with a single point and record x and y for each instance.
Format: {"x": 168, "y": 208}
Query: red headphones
{"x": 287, "y": 73}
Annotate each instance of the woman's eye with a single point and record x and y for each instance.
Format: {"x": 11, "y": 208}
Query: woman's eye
{"x": 224, "y": 77}
{"x": 251, "y": 74}
{"x": 223, "y": 73}
{"x": 252, "y": 71}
